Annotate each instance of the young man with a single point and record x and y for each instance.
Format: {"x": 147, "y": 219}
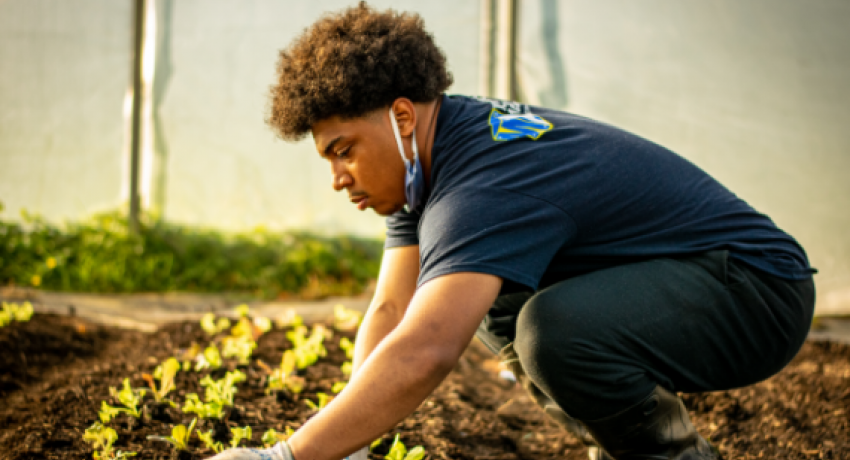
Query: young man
{"x": 606, "y": 270}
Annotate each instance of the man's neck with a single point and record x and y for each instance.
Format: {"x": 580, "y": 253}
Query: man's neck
{"x": 426, "y": 122}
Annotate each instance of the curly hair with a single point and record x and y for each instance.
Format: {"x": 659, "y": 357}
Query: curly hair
{"x": 351, "y": 63}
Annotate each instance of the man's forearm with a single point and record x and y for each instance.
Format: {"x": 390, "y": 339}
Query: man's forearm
{"x": 379, "y": 321}
{"x": 399, "y": 374}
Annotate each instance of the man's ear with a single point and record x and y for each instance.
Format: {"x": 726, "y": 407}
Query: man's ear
{"x": 405, "y": 115}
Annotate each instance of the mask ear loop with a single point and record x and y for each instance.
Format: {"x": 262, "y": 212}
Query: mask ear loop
{"x": 411, "y": 166}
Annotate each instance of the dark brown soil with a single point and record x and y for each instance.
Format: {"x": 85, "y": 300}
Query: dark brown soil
{"x": 55, "y": 371}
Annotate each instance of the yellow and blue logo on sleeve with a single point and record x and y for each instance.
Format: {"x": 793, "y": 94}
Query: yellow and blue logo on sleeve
{"x": 510, "y": 126}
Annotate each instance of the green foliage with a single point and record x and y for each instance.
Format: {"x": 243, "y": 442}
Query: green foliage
{"x": 346, "y": 319}
{"x": 213, "y": 327}
{"x": 219, "y": 393}
{"x": 323, "y": 400}
{"x": 272, "y": 437}
{"x": 307, "y": 349}
{"x": 102, "y": 438}
{"x": 239, "y": 434}
{"x": 101, "y": 255}
{"x": 210, "y": 358}
{"x": 347, "y": 346}
{"x": 179, "y": 436}
{"x": 283, "y": 377}
{"x": 129, "y": 397}
{"x": 165, "y": 373}
{"x": 14, "y": 312}
{"x": 207, "y": 439}
{"x": 399, "y": 452}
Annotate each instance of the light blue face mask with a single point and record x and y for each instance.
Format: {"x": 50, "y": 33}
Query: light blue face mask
{"x": 414, "y": 181}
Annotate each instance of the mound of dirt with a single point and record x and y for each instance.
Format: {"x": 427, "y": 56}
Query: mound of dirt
{"x": 55, "y": 371}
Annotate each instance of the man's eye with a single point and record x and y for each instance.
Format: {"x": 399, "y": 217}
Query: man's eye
{"x": 343, "y": 153}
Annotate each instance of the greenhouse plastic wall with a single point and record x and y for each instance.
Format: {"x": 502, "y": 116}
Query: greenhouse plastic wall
{"x": 753, "y": 92}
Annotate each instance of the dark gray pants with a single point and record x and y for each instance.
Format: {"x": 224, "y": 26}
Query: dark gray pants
{"x": 599, "y": 343}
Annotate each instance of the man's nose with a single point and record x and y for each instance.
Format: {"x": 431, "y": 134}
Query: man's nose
{"x": 341, "y": 179}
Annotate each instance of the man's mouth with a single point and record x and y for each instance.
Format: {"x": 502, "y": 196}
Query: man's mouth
{"x": 361, "y": 202}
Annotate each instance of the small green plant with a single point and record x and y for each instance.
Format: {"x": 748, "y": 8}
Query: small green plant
{"x": 272, "y": 437}
{"x": 240, "y": 347}
{"x": 289, "y": 318}
{"x": 346, "y": 368}
{"x": 338, "y": 386}
{"x": 239, "y": 434}
{"x": 307, "y": 350}
{"x": 166, "y": 373}
{"x": 224, "y": 389}
{"x": 323, "y": 400}
{"x": 209, "y": 359}
{"x": 207, "y": 439}
{"x": 14, "y": 312}
{"x": 399, "y": 452}
{"x": 212, "y": 326}
{"x": 130, "y": 398}
{"x": 346, "y": 319}
{"x": 102, "y": 438}
{"x": 347, "y": 346}
{"x": 283, "y": 377}
{"x": 209, "y": 410}
{"x": 179, "y": 436}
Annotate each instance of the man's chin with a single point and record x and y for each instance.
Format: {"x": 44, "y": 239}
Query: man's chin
{"x": 387, "y": 211}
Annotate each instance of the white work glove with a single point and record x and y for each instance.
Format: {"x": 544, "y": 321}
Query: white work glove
{"x": 279, "y": 451}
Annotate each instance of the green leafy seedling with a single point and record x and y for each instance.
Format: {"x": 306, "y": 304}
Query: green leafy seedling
{"x": 346, "y": 319}
{"x": 129, "y": 397}
{"x": 338, "y": 386}
{"x": 166, "y": 380}
{"x": 399, "y": 452}
{"x": 283, "y": 377}
{"x": 272, "y": 437}
{"x": 179, "y": 436}
{"x": 209, "y": 410}
{"x": 346, "y": 368}
{"x": 239, "y": 434}
{"x": 210, "y": 358}
{"x": 207, "y": 439}
{"x": 102, "y": 438}
{"x": 323, "y": 400}
{"x": 347, "y": 346}
{"x": 240, "y": 347}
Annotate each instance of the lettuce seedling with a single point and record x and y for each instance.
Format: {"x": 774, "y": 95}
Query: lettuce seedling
{"x": 102, "y": 438}
{"x": 346, "y": 319}
{"x": 167, "y": 372}
{"x": 272, "y": 437}
{"x": 323, "y": 400}
{"x": 346, "y": 368}
{"x": 207, "y": 439}
{"x": 179, "y": 436}
{"x": 347, "y": 346}
{"x": 239, "y": 434}
{"x": 283, "y": 377}
{"x": 224, "y": 389}
{"x": 399, "y": 452}
{"x": 338, "y": 386}
{"x": 129, "y": 397}
{"x": 263, "y": 324}
{"x": 210, "y": 358}
{"x": 242, "y": 311}
{"x": 210, "y": 410}
{"x": 307, "y": 350}
{"x": 212, "y": 326}
{"x": 239, "y": 347}
{"x": 289, "y": 318}
{"x": 14, "y": 312}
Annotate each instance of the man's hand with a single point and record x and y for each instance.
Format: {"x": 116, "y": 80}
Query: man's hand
{"x": 279, "y": 451}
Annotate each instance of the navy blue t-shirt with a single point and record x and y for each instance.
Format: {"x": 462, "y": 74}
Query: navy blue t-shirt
{"x": 536, "y": 196}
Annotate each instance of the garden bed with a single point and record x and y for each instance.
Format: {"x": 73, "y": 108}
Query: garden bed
{"x": 56, "y": 371}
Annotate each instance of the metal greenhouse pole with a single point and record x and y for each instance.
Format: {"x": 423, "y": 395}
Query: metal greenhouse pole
{"x": 135, "y": 137}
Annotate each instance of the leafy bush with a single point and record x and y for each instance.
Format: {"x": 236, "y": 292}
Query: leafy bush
{"x": 101, "y": 255}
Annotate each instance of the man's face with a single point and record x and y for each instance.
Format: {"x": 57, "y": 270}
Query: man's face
{"x": 364, "y": 159}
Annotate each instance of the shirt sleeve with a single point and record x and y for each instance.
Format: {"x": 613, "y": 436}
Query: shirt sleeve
{"x": 402, "y": 229}
{"x": 494, "y": 231}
